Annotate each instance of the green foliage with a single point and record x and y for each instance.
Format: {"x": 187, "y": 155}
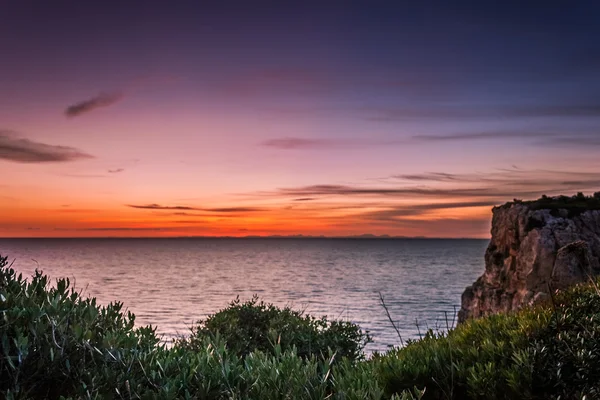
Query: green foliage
{"x": 52, "y": 341}
{"x": 567, "y": 352}
{"x": 551, "y": 351}
{"x": 55, "y": 344}
{"x": 479, "y": 359}
{"x": 573, "y": 205}
{"x": 254, "y": 325}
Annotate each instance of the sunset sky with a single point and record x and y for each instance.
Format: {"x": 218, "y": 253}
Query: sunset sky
{"x": 266, "y": 118}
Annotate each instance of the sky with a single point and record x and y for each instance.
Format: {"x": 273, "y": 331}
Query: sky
{"x": 334, "y": 118}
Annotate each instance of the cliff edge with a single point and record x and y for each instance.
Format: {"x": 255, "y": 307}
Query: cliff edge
{"x": 536, "y": 247}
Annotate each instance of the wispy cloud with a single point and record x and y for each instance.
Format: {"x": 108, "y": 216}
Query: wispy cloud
{"x": 121, "y": 228}
{"x": 116, "y": 229}
{"x": 531, "y": 137}
{"x": 566, "y": 110}
{"x": 350, "y": 190}
{"x": 297, "y": 143}
{"x": 559, "y": 110}
{"x": 116, "y": 171}
{"x": 300, "y": 143}
{"x": 395, "y": 213}
{"x": 159, "y": 207}
{"x": 305, "y": 199}
{"x": 188, "y": 208}
{"x": 484, "y": 136}
{"x": 86, "y": 176}
{"x": 429, "y": 176}
{"x": 13, "y": 148}
{"x": 575, "y": 140}
{"x": 233, "y": 209}
{"x": 483, "y": 188}
{"x": 99, "y": 101}
{"x": 511, "y": 177}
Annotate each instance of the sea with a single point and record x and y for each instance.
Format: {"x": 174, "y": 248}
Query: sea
{"x": 173, "y": 283}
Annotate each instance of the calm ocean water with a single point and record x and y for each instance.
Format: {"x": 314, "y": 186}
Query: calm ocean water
{"x": 170, "y": 283}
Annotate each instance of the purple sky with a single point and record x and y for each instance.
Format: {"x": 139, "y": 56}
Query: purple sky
{"x": 280, "y": 118}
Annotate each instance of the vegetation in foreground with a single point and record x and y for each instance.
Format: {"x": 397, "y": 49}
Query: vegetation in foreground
{"x": 57, "y": 344}
{"x": 246, "y": 327}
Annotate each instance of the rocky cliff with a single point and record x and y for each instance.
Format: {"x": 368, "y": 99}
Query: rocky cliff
{"x": 536, "y": 247}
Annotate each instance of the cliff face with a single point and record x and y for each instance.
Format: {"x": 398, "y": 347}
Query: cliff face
{"x": 532, "y": 251}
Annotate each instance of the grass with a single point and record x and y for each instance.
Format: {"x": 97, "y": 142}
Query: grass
{"x": 56, "y": 344}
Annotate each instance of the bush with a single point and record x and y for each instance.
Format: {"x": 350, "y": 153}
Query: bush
{"x": 552, "y": 351}
{"x": 55, "y": 343}
{"x": 254, "y": 325}
{"x": 574, "y": 205}
{"x": 567, "y": 351}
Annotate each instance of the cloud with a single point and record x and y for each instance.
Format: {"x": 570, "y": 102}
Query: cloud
{"x": 233, "y": 209}
{"x": 159, "y": 207}
{"x": 561, "y": 110}
{"x": 102, "y": 100}
{"x": 488, "y": 188}
{"x": 566, "y": 110}
{"x": 117, "y": 229}
{"x": 429, "y": 176}
{"x": 296, "y": 143}
{"x": 446, "y": 206}
{"x": 412, "y": 212}
{"x": 348, "y": 190}
{"x": 300, "y": 143}
{"x": 533, "y": 137}
{"x": 187, "y": 208}
{"x": 483, "y": 135}
{"x": 514, "y": 178}
{"x": 86, "y": 176}
{"x": 586, "y": 141}
{"x": 305, "y": 199}
{"x": 23, "y": 150}
{"x": 116, "y": 171}
{"x": 581, "y": 138}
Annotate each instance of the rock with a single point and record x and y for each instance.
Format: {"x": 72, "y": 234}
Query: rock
{"x": 532, "y": 252}
{"x": 572, "y": 265}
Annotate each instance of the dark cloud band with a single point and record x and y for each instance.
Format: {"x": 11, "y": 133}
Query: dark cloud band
{"x": 23, "y": 150}
{"x": 187, "y": 208}
{"x": 102, "y": 100}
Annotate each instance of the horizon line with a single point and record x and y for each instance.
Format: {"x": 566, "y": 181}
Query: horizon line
{"x": 364, "y": 237}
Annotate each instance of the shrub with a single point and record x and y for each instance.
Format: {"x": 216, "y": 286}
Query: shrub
{"x": 574, "y": 205}
{"x": 567, "y": 351}
{"x": 483, "y": 358}
{"x": 551, "y": 351}
{"x": 54, "y": 342}
{"x": 254, "y": 325}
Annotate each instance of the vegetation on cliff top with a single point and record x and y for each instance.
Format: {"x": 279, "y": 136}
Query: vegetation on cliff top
{"x": 56, "y": 343}
{"x": 574, "y": 205}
